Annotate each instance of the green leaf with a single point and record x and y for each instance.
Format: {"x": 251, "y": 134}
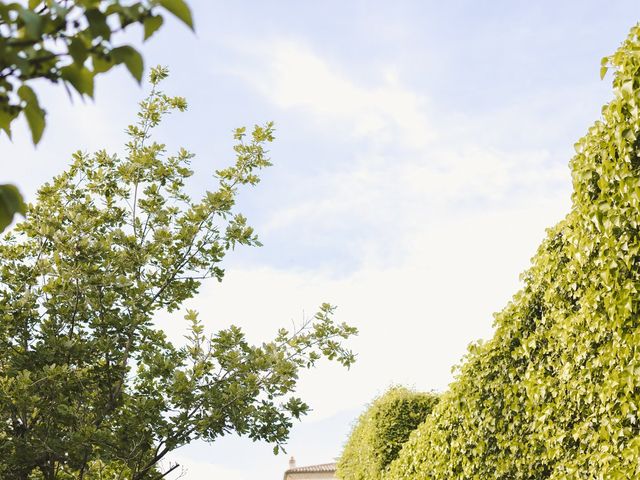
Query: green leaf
{"x": 180, "y": 9}
{"x": 98, "y": 24}
{"x": 151, "y": 25}
{"x": 79, "y": 77}
{"x": 11, "y": 202}
{"x": 27, "y": 94}
{"x": 33, "y": 113}
{"x": 603, "y": 72}
{"x": 32, "y": 22}
{"x": 131, "y": 58}
{"x": 78, "y": 50}
{"x": 5, "y": 121}
{"x": 35, "y": 119}
{"x": 101, "y": 63}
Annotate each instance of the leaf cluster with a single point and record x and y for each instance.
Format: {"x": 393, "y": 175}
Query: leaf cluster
{"x": 68, "y": 42}
{"x": 555, "y": 394}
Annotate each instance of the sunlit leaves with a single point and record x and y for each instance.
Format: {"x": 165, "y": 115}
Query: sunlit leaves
{"x": 555, "y": 394}
{"x": 378, "y": 436}
{"x": 110, "y": 243}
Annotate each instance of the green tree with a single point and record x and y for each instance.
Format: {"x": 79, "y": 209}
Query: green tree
{"x": 88, "y": 384}
{"x": 380, "y": 432}
{"x": 555, "y": 394}
{"x": 69, "y": 43}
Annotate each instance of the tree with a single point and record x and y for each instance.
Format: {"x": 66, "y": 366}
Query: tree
{"x": 378, "y": 435}
{"x": 69, "y": 43}
{"x": 88, "y": 384}
{"x": 555, "y": 394}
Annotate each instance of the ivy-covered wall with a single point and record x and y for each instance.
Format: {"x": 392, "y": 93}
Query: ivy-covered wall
{"x": 555, "y": 393}
{"x": 379, "y": 433}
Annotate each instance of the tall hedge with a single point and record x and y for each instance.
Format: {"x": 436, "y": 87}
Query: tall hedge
{"x": 555, "y": 394}
{"x": 381, "y": 431}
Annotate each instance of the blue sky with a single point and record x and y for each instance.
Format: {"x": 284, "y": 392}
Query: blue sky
{"x": 422, "y": 149}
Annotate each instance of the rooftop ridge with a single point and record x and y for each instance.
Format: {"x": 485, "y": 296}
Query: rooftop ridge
{"x": 322, "y": 467}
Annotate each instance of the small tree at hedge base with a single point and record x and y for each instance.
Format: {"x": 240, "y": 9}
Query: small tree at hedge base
{"x": 89, "y": 387}
{"x": 378, "y": 435}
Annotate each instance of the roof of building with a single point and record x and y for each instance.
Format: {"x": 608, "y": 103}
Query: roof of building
{"x": 323, "y": 467}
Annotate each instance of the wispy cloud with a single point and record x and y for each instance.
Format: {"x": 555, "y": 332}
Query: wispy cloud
{"x": 293, "y": 77}
{"x": 415, "y": 317}
{"x": 409, "y": 164}
{"x": 197, "y": 469}
{"x": 441, "y": 221}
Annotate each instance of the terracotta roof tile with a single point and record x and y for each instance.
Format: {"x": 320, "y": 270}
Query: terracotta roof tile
{"x": 324, "y": 467}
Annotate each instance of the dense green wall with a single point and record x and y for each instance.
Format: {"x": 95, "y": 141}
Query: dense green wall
{"x": 379, "y": 433}
{"x": 555, "y": 394}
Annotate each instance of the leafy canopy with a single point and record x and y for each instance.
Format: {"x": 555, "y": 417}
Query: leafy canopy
{"x": 555, "y": 394}
{"x": 380, "y": 432}
{"x": 89, "y": 386}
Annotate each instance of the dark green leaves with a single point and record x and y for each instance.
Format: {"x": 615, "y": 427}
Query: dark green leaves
{"x": 79, "y": 77}
{"x": 70, "y": 43}
{"x": 31, "y": 21}
{"x": 78, "y": 50}
{"x": 32, "y": 111}
{"x": 98, "y": 24}
{"x": 6, "y": 118}
{"x": 151, "y": 25}
{"x": 131, "y": 58}
{"x": 10, "y": 203}
{"x": 180, "y": 9}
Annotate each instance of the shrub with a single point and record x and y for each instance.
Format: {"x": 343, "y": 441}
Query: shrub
{"x": 380, "y": 432}
{"x": 555, "y": 394}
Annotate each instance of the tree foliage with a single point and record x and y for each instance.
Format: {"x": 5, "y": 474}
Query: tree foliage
{"x": 380, "y": 432}
{"x": 89, "y": 386}
{"x": 555, "y": 393}
{"x": 67, "y": 42}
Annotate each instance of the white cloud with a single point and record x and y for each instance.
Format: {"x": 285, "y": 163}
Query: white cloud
{"x": 415, "y": 318}
{"x": 401, "y": 193}
{"x": 418, "y": 185}
{"x": 191, "y": 469}
{"x": 292, "y": 76}
{"x": 410, "y": 165}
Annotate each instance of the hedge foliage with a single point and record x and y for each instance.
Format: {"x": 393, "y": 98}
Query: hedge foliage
{"x": 555, "y": 394}
{"x": 381, "y": 431}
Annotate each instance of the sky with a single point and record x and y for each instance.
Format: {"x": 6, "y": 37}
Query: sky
{"x": 422, "y": 149}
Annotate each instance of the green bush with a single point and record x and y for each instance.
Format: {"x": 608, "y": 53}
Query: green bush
{"x": 380, "y": 432}
{"x": 555, "y": 394}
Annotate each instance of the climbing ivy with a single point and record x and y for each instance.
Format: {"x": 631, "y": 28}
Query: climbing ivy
{"x": 379, "y": 433}
{"x": 555, "y": 393}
